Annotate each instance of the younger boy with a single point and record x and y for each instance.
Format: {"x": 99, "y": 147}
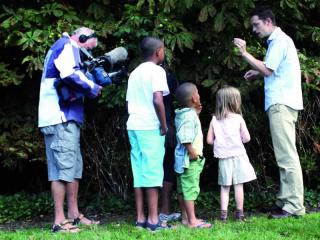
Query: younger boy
{"x": 146, "y": 129}
{"x": 189, "y": 161}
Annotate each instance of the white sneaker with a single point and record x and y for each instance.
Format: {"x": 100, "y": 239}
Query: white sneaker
{"x": 169, "y": 217}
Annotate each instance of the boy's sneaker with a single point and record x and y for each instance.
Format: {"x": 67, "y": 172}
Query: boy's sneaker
{"x": 157, "y": 227}
{"x": 169, "y": 217}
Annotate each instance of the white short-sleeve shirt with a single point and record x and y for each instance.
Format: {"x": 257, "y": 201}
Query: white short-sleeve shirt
{"x": 146, "y": 79}
{"x": 283, "y": 86}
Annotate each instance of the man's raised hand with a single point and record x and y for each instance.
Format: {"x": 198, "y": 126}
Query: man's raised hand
{"x": 240, "y": 44}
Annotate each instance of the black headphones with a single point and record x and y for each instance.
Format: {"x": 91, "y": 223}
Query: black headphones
{"x": 83, "y": 38}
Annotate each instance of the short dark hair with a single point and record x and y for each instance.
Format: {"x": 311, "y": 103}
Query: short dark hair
{"x": 149, "y": 45}
{"x": 263, "y": 13}
{"x": 184, "y": 93}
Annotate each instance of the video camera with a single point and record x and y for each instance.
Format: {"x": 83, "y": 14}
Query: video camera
{"x": 103, "y": 70}
{"x": 97, "y": 68}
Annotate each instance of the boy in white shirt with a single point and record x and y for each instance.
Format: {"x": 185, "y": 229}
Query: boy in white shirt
{"x": 147, "y": 127}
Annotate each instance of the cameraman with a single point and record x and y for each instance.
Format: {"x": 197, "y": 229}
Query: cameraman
{"x": 60, "y": 124}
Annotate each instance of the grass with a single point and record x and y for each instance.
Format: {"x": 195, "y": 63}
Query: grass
{"x": 307, "y": 227}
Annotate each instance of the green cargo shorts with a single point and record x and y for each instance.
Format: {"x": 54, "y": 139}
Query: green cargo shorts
{"x": 188, "y": 182}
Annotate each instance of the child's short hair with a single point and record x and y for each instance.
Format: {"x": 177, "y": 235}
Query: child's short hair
{"x": 184, "y": 94}
{"x": 149, "y": 45}
{"x": 228, "y": 100}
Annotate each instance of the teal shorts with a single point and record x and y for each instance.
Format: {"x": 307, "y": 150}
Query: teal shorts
{"x": 63, "y": 151}
{"x": 147, "y": 152}
{"x": 188, "y": 182}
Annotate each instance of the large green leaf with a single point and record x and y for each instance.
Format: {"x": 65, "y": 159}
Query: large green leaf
{"x": 219, "y": 22}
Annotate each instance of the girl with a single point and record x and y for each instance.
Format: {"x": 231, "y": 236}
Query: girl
{"x": 227, "y": 132}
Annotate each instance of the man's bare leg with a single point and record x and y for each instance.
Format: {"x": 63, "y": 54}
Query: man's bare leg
{"x": 72, "y": 198}
{"x": 73, "y": 209}
{"x": 58, "y": 190}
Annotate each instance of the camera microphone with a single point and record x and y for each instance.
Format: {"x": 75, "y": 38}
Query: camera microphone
{"x": 117, "y": 55}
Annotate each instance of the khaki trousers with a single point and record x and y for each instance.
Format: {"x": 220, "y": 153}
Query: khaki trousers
{"x": 282, "y": 120}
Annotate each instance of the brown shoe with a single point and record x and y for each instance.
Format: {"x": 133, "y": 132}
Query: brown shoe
{"x": 272, "y": 209}
{"x": 282, "y": 214}
{"x": 223, "y": 216}
{"x": 239, "y": 215}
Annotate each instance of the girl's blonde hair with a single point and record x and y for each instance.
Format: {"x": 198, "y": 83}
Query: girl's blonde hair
{"x": 228, "y": 100}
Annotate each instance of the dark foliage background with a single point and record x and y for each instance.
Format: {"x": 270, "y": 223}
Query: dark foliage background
{"x": 198, "y": 37}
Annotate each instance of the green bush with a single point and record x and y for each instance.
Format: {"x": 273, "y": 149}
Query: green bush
{"x": 108, "y": 204}
{"x": 24, "y": 206}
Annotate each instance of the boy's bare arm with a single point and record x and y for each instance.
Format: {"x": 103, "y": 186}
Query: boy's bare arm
{"x": 159, "y": 107}
{"x": 192, "y": 152}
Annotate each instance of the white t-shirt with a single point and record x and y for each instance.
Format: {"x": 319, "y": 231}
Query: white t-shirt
{"x": 146, "y": 79}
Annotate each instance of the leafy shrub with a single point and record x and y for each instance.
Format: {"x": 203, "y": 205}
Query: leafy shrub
{"x": 312, "y": 200}
{"x": 24, "y": 206}
{"x": 108, "y": 204}
{"x": 8, "y": 77}
{"x": 19, "y": 140}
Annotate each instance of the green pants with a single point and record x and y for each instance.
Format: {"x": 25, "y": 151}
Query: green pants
{"x": 282, "y": 121}
{"x": 188, "y": 182}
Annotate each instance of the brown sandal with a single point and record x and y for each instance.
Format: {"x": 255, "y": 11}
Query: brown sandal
{"x": 81, "y": 220}
{"x": 66, "y": 227}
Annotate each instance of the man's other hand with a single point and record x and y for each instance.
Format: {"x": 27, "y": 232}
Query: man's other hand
{"x": 251, "y": 74}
